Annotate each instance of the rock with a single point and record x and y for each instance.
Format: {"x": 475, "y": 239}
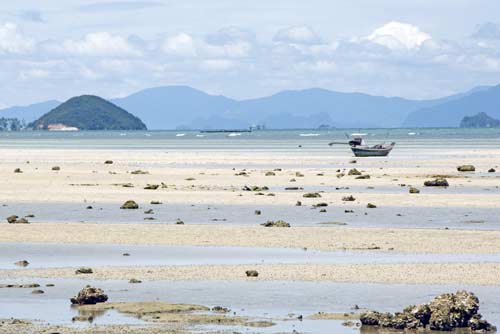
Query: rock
{"x": 149, "y": 212}
{"x": 270, "y": 174}
{"x": 319, "y": 205}
{"x": 18, "y": 170}
{"x": 84, "y": 270}
{"x": 299, "y": 203}
{"x": 89, "y": 207}
{"x": 155, "y": 202}
{"x": 371, "y": 206}
{"x": 354, "y": 171}
{"x": 363, "y": 177}
{"x": 126, "y": 254}
{"x": 439, "y": 182}
{"x": 220, "y": 309}
{"x": 292, "y": 188}
{"x": 252, "y": 273}
{"x": 257, "y": 212}
{"x": 139, "y": 172}
{"x": 349, "y": 198}
{"x": 134, "y": 281}
{"x": 278, "y": 223}
{"x": 466, "y": 168}
{"x": 152, "y": 186}
{"x": 16, "y": 220}
{"x": 179, "y": 222}
{"x": 56, "y": 168}
{"x": 12, "y": 219}
{"x": 311, "y": 195}
{"x": 299, "y": 174}
{"x": 491, "y": 170}
{"x": 37, "y": 292}
{"x": 254, "y": 188}
{"x": 108, "y": 162}
{"x": 83, "y": 318}
{"x": 22, "y": 263}
{"x": 50, "y": 285}
{"x": 446, "y": 312}
{"x": 130, "y": 205}
{"x": 149, "y": 218}
{"x": 414, "y": 190}
{"x": 89, "y": 296}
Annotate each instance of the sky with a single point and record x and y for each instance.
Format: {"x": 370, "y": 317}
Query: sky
{"x": 419, "y": 49}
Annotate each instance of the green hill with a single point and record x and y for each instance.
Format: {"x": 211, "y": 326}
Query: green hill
{"x": 88, "y": 112}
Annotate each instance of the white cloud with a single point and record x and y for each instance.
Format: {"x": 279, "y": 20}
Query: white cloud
{"x": 180, "y": 45}
{"x": 101, "y": 44}
{"x": 14, "y": 41}
{"x": 397, "y": 35}
{"x": 297, "y": 35}
{"x": 216, "y": 64}
{"x": 487, "y": 30}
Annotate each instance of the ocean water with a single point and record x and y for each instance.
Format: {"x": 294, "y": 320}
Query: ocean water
{"x": 277, "y": 140}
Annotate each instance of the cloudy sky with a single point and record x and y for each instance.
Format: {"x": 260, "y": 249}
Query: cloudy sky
{"x": 53, "y": 49}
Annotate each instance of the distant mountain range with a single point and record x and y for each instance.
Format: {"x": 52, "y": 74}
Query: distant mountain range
{"x": 182, "y": 107}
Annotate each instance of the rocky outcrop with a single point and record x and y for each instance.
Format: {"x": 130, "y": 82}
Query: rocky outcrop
{"x": 89, "y": 296}
{"x": 16, "y": 220}
{"x": 444, "y": 313}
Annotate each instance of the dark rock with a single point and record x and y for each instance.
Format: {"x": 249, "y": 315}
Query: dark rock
{"x": 220, "y": 309}
{"x": 363, "y": 177}
{"x": 22, "y": 263}
{"x": 152, "y": 186}
{"x": 438, "y": 182}
{"x": 56, "y": 168}
{"x": 84, "y": 270}
{"x": 466, "y": 168}
{"x": 155, "y": 202}
{"x": 414, "y": 190}
{"x": 252, "y": 273}
{"x": 149, "y": 212}
{"x": 299, "y": 203}
{"x": 179, "y": 222}
{"x": 354, "y": 171}
{"x": 134, "y": 281}
{"x": 371, "y": 206}
{"x": 108, "y": 162}
{"x": 139, "y": 172}
{"x": 491, "y": 170}
{"x": 12, "y": 219}
{"x": 18, "y": 170}
{"x": 37, "y": 292}
{"x": 89, "y": 296}
{"x": 278, "y": 223}
{"x": 349, "y": 198}
{"x": 257, "y": 212}
{"x": 311, "y": 195}
{"x": 89, "y": 207}
{"x": 318, "y": 205}
{"x": 270, "y": 174}
{"x": 130, "y": 205}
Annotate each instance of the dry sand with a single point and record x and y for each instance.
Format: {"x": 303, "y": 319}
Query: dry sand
{"x": 446, "y": 273}
{"x": 321, "y": 238}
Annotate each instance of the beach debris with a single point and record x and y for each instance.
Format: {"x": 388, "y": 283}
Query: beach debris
{"x": 108, "y": 162}
{"x": 252, "y": 273}
{"x": 311, "y": 195}
{"x": 130, "y": 205}
{"x": 22, "y": 263}
{"x": 363, "y": 177}
{"x": 16, "y": 220}
{"x": 84, "y": 270}
{"x": 491, "y": 170}
{"x": 89, "y": 296}
{"x": 18, "y": 170}
{"x": 179, "y": 222}
{"x": 37, "y": 292}
{"x": 444, "y": 313}
{"x": 134, "y": 281}
{"x": 349, "y": 198}
{"x": 354, "y": 171}
{"x": 270, "y": 173}
{"x": 155, "y": 202}
{"x": 152, "y": 186}
{"x": 254, "y": 188}
{"x": 277, "y": 223}
{"x": 466, "y": 168}
{"x": 371, "y": 206}
{"x": 437, "y": 182}
{"x": 139, "y": 172}
{"x": 414, "y": 190}
{"x": 257, "y": 212}
{"x": 56, "y": 168}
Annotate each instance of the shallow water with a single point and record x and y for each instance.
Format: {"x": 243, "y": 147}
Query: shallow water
{"x": 95, "y": 255}
{"x": 394, "y": 216}
{"x": 250, "y": 298}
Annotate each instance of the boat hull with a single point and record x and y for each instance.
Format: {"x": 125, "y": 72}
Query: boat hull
{"x": 370, "y": 152}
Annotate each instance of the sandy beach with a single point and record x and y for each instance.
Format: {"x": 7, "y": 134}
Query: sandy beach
{"x": 79, "y": 202}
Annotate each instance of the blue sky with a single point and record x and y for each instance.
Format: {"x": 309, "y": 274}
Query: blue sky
{"x": 416, "y": 49}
